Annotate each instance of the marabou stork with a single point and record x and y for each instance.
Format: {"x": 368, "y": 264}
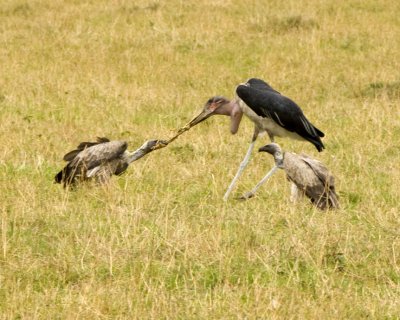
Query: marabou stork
{"x": 270, "y": 112}
{"x": 308, "y": 176}
{"x": 100, "y": 160}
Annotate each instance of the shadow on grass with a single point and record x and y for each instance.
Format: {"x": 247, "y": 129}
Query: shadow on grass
{"x": 286, "y": 24}
{"x": 380, "y": 89}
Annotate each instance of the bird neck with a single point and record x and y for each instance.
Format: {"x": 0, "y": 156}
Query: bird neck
{"x": 278, "y": 156}
{"x": 233, "y": 110}
{"x": 226, "y": 109}
{"x": 135, "y": 155}
{"x": 236, "y": 116}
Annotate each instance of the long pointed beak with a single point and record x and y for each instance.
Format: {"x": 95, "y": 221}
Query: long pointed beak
{"x": 203, "y": 115}
{"x": 200, "y": 117}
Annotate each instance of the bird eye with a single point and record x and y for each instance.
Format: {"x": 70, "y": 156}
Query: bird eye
{"x": 221, "y": 101}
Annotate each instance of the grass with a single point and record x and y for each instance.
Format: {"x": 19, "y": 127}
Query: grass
{"x": 159, "y": 242}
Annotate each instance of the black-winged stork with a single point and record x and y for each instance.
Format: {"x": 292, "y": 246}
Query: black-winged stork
{"x": 270, "y": 112}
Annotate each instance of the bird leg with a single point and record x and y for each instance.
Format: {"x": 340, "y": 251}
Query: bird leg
{"x": 243, "y": 164}
{"x": 251, "y": 193}
{"x": 295, "y": 193}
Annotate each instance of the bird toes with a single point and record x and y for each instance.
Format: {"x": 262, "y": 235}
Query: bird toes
{"x": 246, "y": 196}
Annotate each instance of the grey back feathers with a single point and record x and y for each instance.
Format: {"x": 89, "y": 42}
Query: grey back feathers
{"x": 309, "y": 175}
{"x": 83, "y": 145}
{"x": 312, "y": 178}
{"x": 99, "y": 160}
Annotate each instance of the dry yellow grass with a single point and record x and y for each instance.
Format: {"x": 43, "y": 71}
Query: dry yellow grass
{"x": 159, "y": 242}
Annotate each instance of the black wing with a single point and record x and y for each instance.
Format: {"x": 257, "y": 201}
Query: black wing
{"x": 260, "y": 85}
{"x": 285, "y": 112}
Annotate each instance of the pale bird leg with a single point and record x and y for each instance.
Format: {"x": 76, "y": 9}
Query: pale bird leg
{"x": 242, "y": 166}
{"x": 295, "y": 193}
{"x": 251, "y": 193}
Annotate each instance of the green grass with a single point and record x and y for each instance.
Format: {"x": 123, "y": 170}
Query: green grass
{"x": 159, "y": 242}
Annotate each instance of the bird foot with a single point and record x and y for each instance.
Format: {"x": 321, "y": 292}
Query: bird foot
{"x": 246, "y": 196}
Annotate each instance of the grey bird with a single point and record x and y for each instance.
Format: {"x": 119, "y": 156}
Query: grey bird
{"x": 309, "y": 177}
{"x": 269, "y": 110}
{"x": 100, "y": 160}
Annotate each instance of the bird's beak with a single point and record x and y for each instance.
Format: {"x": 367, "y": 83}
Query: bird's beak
{"x": 274, "y": 150}
{"x": 206, "y": 113}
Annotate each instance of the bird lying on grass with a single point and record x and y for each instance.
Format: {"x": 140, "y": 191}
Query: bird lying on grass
{"x": 100, "y": 160}
{"x": 308, "y": 176}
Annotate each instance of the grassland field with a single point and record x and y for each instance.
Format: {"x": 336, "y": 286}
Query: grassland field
{"x": 159, "y": 242}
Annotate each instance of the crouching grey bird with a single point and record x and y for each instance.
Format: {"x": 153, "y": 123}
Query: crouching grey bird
{"x": 308, "y": 176}
{"x": 100, "y": 160}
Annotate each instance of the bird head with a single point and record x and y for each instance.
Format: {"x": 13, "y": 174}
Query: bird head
{"x": 214, "y": 105}
{"x": 275, "y": 150}
{"x": 222, "y": 106}
{"x": 151, "y": 145}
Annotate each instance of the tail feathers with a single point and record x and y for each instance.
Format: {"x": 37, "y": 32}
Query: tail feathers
{"x": 329, "y": 200}
{"x": 58, "y": 177}
{"x": 64, "y": 177}
{"x": 333, "y": 203}
{"x": 317, "y": 143}
{"x": 70, "y": 174}
{"x": 316, "y": 139}
{"x": 319, "y": 132}
{"x": 75, "y": 169}
{"x": 320, "y": 146}
{"x": 333, "y": 199}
